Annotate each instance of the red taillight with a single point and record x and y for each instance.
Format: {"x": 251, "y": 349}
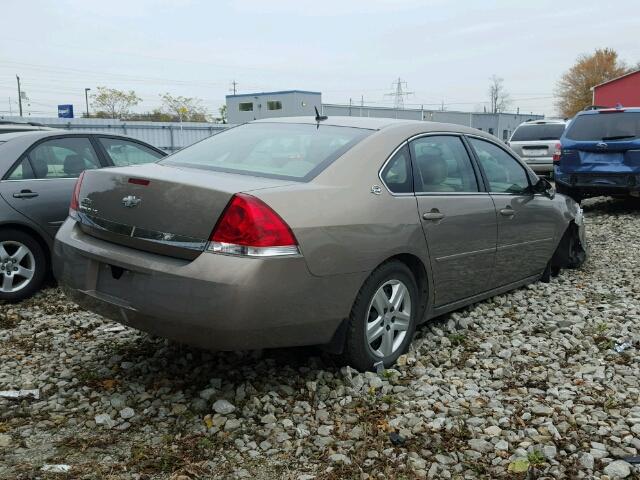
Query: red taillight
{"x": 557, "y": 152}
{"x": 74, "y": 206}
{"x": 248, "y": 226}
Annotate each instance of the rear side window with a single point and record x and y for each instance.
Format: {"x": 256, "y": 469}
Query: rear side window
{"x": 529, "y": 133}
{"x": 123, "y": 152}
{"x": 275, "y": 150}
{"x": 605, "y": 126}
{"x": 63, "y": 158}
{"x": 396, "y": 174}
{"x": 22, "y": 171}
{"x": 442, "y": 164}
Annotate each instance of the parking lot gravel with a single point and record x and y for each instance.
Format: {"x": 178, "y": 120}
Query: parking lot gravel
{"x": 542, "y": 382}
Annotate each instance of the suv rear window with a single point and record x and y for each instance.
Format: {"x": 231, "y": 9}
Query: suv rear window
{"x": 547, "y": 131}
{"x": 605, "y": 126}
{"x": 276, "y": 150}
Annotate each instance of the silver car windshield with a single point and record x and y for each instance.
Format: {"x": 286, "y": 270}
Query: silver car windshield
{"x": 277, "y": 150}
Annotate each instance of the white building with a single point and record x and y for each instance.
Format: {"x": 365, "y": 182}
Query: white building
{"x": 245, "y": 107}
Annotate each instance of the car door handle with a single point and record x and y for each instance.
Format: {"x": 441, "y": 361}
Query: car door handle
{"x": 507, "y": 212}
{"x": 434, "y": 214}
{"x": 25, "y": 194}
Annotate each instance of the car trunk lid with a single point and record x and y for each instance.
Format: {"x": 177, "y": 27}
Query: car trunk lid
{"x": 157, "y": 208}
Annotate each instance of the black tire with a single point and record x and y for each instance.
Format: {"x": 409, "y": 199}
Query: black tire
{"x": 357, "y": 351}
{"x": 569, "y": 192}
{"x": 36, "y": 261}
{"x": 569, "y": 253}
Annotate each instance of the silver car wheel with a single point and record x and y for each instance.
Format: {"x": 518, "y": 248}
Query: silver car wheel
{"x": 388, "y": 318}
{"x": 17, "y": 266}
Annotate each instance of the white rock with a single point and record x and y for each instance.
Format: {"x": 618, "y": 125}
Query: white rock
{"x": 493, "y": 431}
{"x": 618, "y": 469}
{"x": 127, "y": 412}
{"x": 340, "y": 458}
{"x": 587, "y": 461}
{"x": 223, "y": 407}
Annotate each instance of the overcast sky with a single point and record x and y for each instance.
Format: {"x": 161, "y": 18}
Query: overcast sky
{"x": 445, "y": 51}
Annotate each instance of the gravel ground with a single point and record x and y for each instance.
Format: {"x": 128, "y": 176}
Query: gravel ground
{"x": 525, "y": 385}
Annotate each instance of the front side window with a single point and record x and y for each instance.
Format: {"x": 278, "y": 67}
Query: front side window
{"x": 123, "y": 152}
{"x": 504, "y": 173}
{"x": 245, "y": 107}
{"x": 276, "y": 150}
{"x": 441, "y": 164}
{"x": 396, "y": 174}
{"x": 274, "y": 105}
{"x": 63, "y": 158}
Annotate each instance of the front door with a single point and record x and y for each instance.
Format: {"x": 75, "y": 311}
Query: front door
{"x": 525, "y": 225}
{"x": 458, "y": 218}
{"x": 41, "y": 184}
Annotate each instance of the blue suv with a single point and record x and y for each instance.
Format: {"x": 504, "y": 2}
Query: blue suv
{"x": 599, "y": 154}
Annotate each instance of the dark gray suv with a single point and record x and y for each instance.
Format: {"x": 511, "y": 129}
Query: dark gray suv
{"x": 38, "y": 171}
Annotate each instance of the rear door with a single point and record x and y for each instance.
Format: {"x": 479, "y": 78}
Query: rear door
{"x": 526, "y": 223}
{"x": 40, "y": 185}
{"x": 458, "y": 217}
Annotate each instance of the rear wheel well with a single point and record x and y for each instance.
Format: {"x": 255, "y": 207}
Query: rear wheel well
{"x": 33, "y": 233}
{"x": 336, "y": 345}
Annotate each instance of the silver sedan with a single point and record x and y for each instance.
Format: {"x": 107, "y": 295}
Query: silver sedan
{"x": 343, "y": 232}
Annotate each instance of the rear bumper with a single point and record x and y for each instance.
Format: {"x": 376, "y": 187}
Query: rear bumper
{"x": 216, "y": 301}
{"x": 601, "y": 183}
{"x": 539, "y": 164}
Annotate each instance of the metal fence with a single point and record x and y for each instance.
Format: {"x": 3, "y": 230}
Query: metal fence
{"x": 168, "y": 136}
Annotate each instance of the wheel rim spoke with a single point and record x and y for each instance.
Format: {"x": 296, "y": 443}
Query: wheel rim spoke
{"x": 401, "y": 323}
{"x": 397, "y": 296}
{"x": 26, "y": 273}
{"x": 7, "y": 283}
{"x": 386, "y": 347}
{"x": 380, "y": 301}
{"x": 3, "y": 253}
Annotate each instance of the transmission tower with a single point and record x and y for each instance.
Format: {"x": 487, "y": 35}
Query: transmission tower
{"x": 399, "y": 93}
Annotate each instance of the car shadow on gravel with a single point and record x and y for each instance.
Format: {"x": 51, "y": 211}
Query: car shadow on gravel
{"x": 612, "y": 206}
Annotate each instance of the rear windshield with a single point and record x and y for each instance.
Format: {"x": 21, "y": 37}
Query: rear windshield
{"x": 528, "y": 133}
{"x": 276, "y": 150}
{"x": 605, "y": 126}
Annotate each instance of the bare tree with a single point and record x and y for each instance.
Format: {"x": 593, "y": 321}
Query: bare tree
{"x": 498, "y": 96}
{"x": 112, "y": 103}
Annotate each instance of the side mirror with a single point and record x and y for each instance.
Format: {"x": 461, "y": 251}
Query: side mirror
{"x": 544, "y": 187}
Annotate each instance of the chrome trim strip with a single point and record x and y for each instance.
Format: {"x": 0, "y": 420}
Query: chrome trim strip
{"x": 163, "y": 238}
{"x": 530, "y": 242}
{"x": 449, "y": 194}
{"x": 37, "y": 179}
{"x": 466, "y": 254}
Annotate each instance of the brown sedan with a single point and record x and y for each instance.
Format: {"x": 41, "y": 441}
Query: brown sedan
{"x": 346, "y": 232}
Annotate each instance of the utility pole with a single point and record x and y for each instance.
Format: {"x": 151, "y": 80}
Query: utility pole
{"x": 10, "y": 111}
{"x": 19, "y": 95}
{"x": 234, "y": 85}
{"x": 86, "y": 99}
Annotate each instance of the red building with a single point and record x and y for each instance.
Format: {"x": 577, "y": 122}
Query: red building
{"x": 623, "y": 90}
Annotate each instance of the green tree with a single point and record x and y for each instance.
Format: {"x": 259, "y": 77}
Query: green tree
{"x": 186, "y": 109}
{"x": 112, "y": 103}
{"x": 574, "y": 87}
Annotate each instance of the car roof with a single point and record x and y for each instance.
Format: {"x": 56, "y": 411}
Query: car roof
{"x": 37, "y": 134}
{"x": 607, "y": 110}
{"x": 378, "y": 124}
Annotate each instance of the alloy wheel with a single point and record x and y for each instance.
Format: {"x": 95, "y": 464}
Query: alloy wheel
{"x": 388, "y": 318}
{"x": 17, "y": 266}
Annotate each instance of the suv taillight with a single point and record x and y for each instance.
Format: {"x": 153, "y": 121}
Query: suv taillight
{"x": 249, "y": 227}
{"x": 557, "y": 152}
{"x": 74, "y": 206}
